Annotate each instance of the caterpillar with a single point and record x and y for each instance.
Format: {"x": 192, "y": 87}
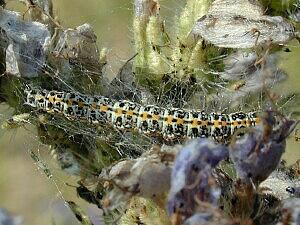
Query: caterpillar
{"x": 146, "y": 119}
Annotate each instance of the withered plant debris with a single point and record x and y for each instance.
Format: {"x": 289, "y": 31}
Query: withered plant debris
{"x": 242, "y": 24}
{"x": 26, "y": 41}
{"x": 219, "y": 56}
{"x": 194, "y": 193}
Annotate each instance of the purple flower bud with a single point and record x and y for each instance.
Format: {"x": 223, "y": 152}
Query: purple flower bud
{"x": 192, "y": 180}
{"x": 257, "y": 154}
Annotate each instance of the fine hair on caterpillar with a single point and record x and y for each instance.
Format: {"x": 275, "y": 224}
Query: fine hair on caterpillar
{"x": 146, "y": 119}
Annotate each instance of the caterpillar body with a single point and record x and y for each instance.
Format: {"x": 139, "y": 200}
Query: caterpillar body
{"x": 147, "y": 119}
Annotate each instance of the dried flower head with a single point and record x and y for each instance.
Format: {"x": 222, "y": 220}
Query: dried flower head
{"x": 26, "y": 41}
{"x": 248, "y": 27}
{"x": 257, "y": 154}
{"x": 192, "y": 182}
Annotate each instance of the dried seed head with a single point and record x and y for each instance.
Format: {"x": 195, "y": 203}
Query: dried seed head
{"x": 224, "y": 26}
{"x": 26, "y": 40}
{"x": 146, "y": 177}
{"x": 146, "y": 8}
